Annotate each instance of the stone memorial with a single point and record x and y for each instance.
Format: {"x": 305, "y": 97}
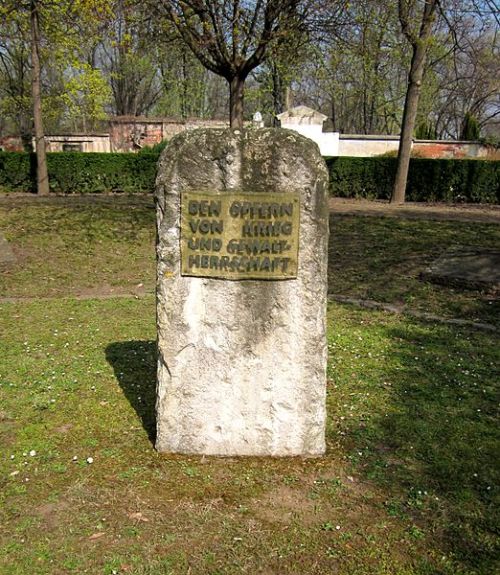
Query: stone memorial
{"x": 242, "y": 236}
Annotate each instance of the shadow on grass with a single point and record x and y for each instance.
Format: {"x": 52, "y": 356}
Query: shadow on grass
{"x": 432, "y": 438}
{"x": 134, "y": 364}
{"x": 365, "y": 251}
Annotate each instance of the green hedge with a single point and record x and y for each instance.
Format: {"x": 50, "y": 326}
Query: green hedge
{"x": 77, "y": 172}
{"x": 428, "y": 181}
{"x": 475, "y": 181}
{"x": 16, "y": 171}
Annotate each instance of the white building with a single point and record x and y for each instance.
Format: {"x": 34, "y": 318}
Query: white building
{"x": 309, "y": 123}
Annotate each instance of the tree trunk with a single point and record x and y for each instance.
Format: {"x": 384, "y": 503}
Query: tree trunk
{"x": 236, "y": 89}
{"x": 42, "y": 178}
{"x": 409, "y": 117}
{"x": 419, "y": 46}
{"x": 278, "y": 95}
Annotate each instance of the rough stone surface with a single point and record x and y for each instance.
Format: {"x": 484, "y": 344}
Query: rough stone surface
{"x": 466, "y": 268}
{"x": 242, "y": 364}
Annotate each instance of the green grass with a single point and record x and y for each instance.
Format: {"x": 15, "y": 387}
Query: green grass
{"x": 78, "y": 248}
{"x": 73, "y": 247}
{"x": 409, "y": 484}
{"x": 380, "y": 258}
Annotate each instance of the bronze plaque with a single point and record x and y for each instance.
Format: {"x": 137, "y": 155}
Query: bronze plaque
{"x": 240, "y": 235}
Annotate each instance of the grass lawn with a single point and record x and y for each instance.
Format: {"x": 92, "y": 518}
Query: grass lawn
{"x": 78, "y": 248}
{"x": 381, "y": 259}
{"x": 75, "y": 247}
{"x": 409, "y": 484}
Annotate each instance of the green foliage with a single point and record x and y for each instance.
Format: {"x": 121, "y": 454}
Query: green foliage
{"x": 362, "y": 177}
{"x": 76, "y": 172}
{"x": 476, "y": 181}
{"x": 73, "y": 92}
{"x": 16, "y": 173}
{"x": 470, "y": 128}
{"x": 186, "y": 84}
{"x": 425, "y": 131}
{"x": 491, "y": 140}
{"x": 86, "y": 95}
{"x": 155, "y": 149}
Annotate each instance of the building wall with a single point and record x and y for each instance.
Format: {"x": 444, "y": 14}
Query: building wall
{"x": 366, "y": 146}
{"x": 328, "y": 142}
{"x": 311, "y": 124}
{"x": 129, "y": 134}
{"x": 77, "y": 143}
{"x": 11, "y": 144}
{"x": 132, "y": 134}
{"x": 448, "y": 149}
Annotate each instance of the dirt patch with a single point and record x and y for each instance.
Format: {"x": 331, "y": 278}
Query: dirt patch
{"x": 8, "y": 428}
{"x": 106, "y": 291}
{"x": 484, "y": 213}
{"x": 4, "y": 416}
{"x": 315, "y": 500}
{"x": 64, "y": 428}
{"x": 285, "y": 504}
{"x": 7, "y": 255}
{"x": 52, "y": 514}
{"x": 98, "y": 292}
{"x": 17, "y": 199}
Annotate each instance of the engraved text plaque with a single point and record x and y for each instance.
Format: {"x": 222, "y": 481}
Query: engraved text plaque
{"x": 240, "y": 235}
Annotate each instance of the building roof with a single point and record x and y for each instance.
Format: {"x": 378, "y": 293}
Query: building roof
{"x": 302, "y": 112}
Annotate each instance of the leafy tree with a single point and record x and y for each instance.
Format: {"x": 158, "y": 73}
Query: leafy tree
{"x": 126, "y": 54}
{"x": 470, "y": 128}
{"x": 86, "y": 94}
{"x": 58, "y": 22}
{"x": 231, "y": 38}
{"x": 15, "y": 77}
{"x": 425, "y": 130}
{"x": 186, "y": 84}
{"x": 418, "y": 20}
{"x": 357, "y": 72}
{"x": 470, "y": 80}
{"x": 42, "y": 176}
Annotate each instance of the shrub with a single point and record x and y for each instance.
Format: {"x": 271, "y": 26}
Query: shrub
{"x": 155, "y": 149}
{"x": 77, "y": 172}
{"x": 425, "y": 130}
{"x": 17, "y": 171}
{"x": 475, "y": 181}
{"x": 470, "y": 128}
{"x": 372, "y": 178}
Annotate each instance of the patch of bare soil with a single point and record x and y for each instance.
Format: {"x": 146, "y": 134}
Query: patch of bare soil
{"x": 7, "y": 255}
{"x": 7, "y": 429}
{"x": 107, "y": 291}
{"x": 52, "y": 514}
{"x": 96, "y": 292}
{"x": 17, "y": 199}
{"x": 483, "y": 213}
{"x": 285, "y": 504}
